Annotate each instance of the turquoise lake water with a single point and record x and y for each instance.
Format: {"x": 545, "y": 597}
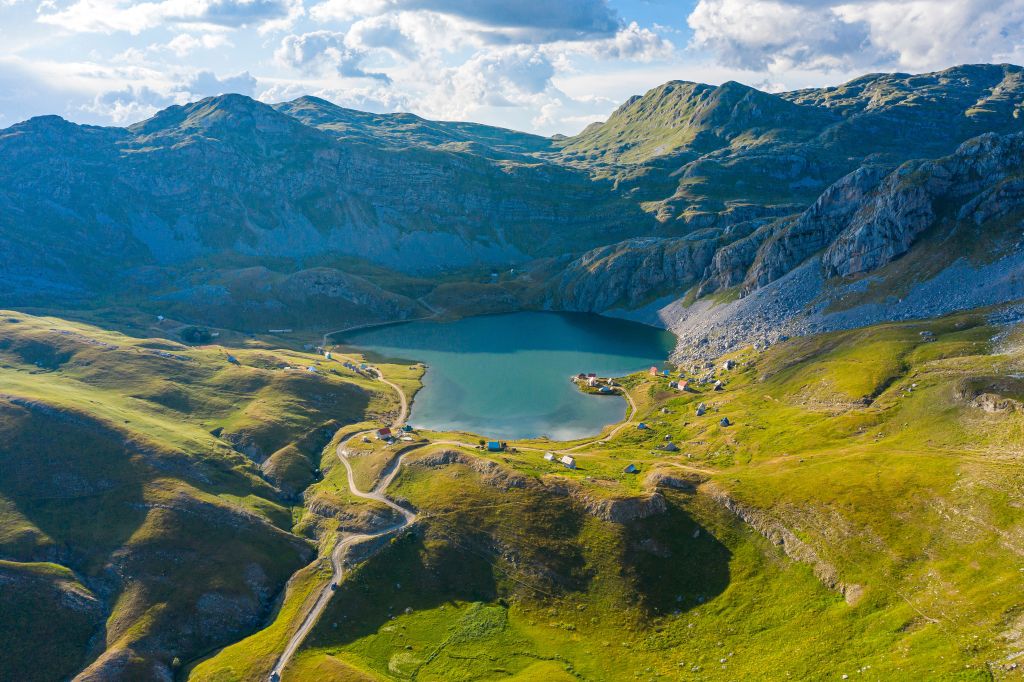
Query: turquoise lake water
{"x": 507, "y": 376}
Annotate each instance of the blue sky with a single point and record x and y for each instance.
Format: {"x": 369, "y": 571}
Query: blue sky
{"x": 544, "y": 66}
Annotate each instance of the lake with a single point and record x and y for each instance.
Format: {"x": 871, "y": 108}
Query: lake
{"x": 507, "y": 376}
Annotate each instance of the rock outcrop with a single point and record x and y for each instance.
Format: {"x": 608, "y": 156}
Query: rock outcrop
{"x": 794, "y": 242}
{"x": 980, "y": 181}
{"x": 631, "y": 273}
{"x": 795, "y": 548}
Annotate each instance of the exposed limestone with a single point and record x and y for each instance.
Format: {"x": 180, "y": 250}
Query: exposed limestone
{"x": 795, "y": 548}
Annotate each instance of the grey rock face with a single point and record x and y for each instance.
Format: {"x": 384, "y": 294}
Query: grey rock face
{"x": 629, "y": 273}
{"x": 980, "y": 179}
{"x": 796, "y": 241}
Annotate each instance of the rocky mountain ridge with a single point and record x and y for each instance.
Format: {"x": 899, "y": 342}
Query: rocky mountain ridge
{"x": 236, "y": 212}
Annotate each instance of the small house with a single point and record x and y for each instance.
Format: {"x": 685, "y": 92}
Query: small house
{"x": 701, "y": 409}
{"x": 604, "y": 389}
{"x": 631, "y": 469}
{"x": 725, "y": 421}
{"x": 327, "y": 354}
{"x": 671, "y": 447}
{"x": 549, "y": 456}
{"x": 653, "y": 371}
{"x": 673, "y": 384}
{"x": 728, "y": 364}
{"x": 683, "y": 385}
{"x": 569, "y": 461}
{"x": 591, "y": 381}
{"x": 383, "y": 434}
{"x": 407, "y": 428}
{"x": 641, "y": 426}
{"x": 665, "y": 373}
{"x": 719, "y": 385}
{"x": 495, "y": 446}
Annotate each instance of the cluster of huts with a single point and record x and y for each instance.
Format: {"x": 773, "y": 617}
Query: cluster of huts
{"x": 568, "y": 461}
{"x": 390, "y": 436}
{"x": 682, "y": 383}
{"x": 602, "y": 384}
{"x": 361, "y": 368}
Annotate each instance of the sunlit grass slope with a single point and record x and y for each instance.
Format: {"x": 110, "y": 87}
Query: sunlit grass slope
{"x": 149, "y": 489}
{"x": 860, "y": 515}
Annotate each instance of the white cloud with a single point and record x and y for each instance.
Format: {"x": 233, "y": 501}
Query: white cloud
{"x": 207, "y": 84}
{"x": 323, "y": 51}
{"x": 779, "y": 35}
{"x": 521, "y": 21}
{"x": 374, "y": 97}
{"x": 108, "y": 16}
{"x": 930, "y": 34}
{"x": 631, "y": 42}
{"x": 185, "y": 43}
{"x": 761, "y": 34}
{"x": 408, "y": 35}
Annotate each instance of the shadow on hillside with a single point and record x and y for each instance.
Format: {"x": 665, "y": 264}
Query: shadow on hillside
{"x": 73, "y": 479}
{"x": 677, "y": 564}
{"x": 668, "y": 563}
{"x": 398, "y": 578}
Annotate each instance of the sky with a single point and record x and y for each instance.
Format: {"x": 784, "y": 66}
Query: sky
{"x": 543, "y": 66}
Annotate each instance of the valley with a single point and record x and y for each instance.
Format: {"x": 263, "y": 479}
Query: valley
{"x": 840, "y": 449}
{"x": 296, "y": 392}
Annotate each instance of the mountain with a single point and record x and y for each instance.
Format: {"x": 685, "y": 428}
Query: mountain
{"x": 229, "y": 211}
{"x": 401, "y": 131}
{"x": 228, "y": 178}
{"x": 696, "y": 149}
{"x": 823, "y": 483}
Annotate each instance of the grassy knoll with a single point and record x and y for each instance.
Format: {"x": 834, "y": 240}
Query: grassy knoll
{"x": 859, "y": 515}
{"x": 166, "y": 477}
{"x": 56, "y": 617}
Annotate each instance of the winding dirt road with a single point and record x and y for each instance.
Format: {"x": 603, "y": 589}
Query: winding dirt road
{"x": 408, "y": 517}
{"x": 347, "y": 543}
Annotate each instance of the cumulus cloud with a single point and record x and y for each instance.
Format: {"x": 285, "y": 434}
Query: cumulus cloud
{"x": 760, "y": 34}
{"x": 631, "y": 42}
{"x": 207, "y": 84}
{"x": 127, "y": 105}
{"x": 500, "y": 77}
{"x": 374, "y": 97}
{"x": 403, "y": 34}
{"x": 135, "y": 102}
{"x": 834, "y": 34}
{"x": 926, "y": 34}
{"x": 185, "y": 43}
{"x": 323, "y": 51}
{"x": 108, "y": 16}
{"x": 498, "y": 21}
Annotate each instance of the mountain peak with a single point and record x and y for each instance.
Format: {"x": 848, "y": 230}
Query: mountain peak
{"x": 686, "y": 116}
{"x": 227, "y": 115}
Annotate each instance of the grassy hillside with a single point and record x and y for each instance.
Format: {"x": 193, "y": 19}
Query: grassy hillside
{"x": 149, "y": 489}
{"x": 859, "y": 516}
